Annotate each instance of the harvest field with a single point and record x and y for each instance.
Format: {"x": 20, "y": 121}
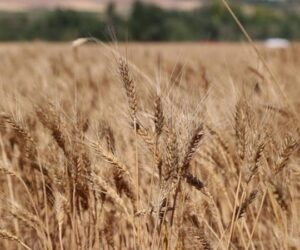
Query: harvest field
{"x": 149, "y": 146}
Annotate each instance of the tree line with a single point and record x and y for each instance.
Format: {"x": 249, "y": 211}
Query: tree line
{"x": 145, "y": 22}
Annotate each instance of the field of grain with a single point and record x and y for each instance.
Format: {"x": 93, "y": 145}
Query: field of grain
{"x": 149, "y": 146}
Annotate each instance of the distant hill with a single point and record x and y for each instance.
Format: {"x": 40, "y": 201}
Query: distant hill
{"x": 92, "y": 5}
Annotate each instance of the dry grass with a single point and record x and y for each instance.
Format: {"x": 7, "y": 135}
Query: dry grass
{"x": 191, "y": 148}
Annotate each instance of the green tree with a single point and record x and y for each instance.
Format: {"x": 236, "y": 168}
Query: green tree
{"x": 147, "y": 22}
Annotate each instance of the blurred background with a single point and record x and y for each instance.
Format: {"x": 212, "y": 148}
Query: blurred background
{"x": 148, "y": 20}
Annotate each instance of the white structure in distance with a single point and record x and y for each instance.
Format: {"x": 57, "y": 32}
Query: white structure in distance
{"x": 277, "y": 43}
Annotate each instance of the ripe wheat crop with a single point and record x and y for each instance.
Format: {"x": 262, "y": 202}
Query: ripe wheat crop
{"x": 153, "y": 146}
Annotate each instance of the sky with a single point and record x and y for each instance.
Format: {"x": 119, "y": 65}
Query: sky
{"x": 90, "y": 4}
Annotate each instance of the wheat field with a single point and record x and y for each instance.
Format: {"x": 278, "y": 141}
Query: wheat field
{"x": 149, "y": 146}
